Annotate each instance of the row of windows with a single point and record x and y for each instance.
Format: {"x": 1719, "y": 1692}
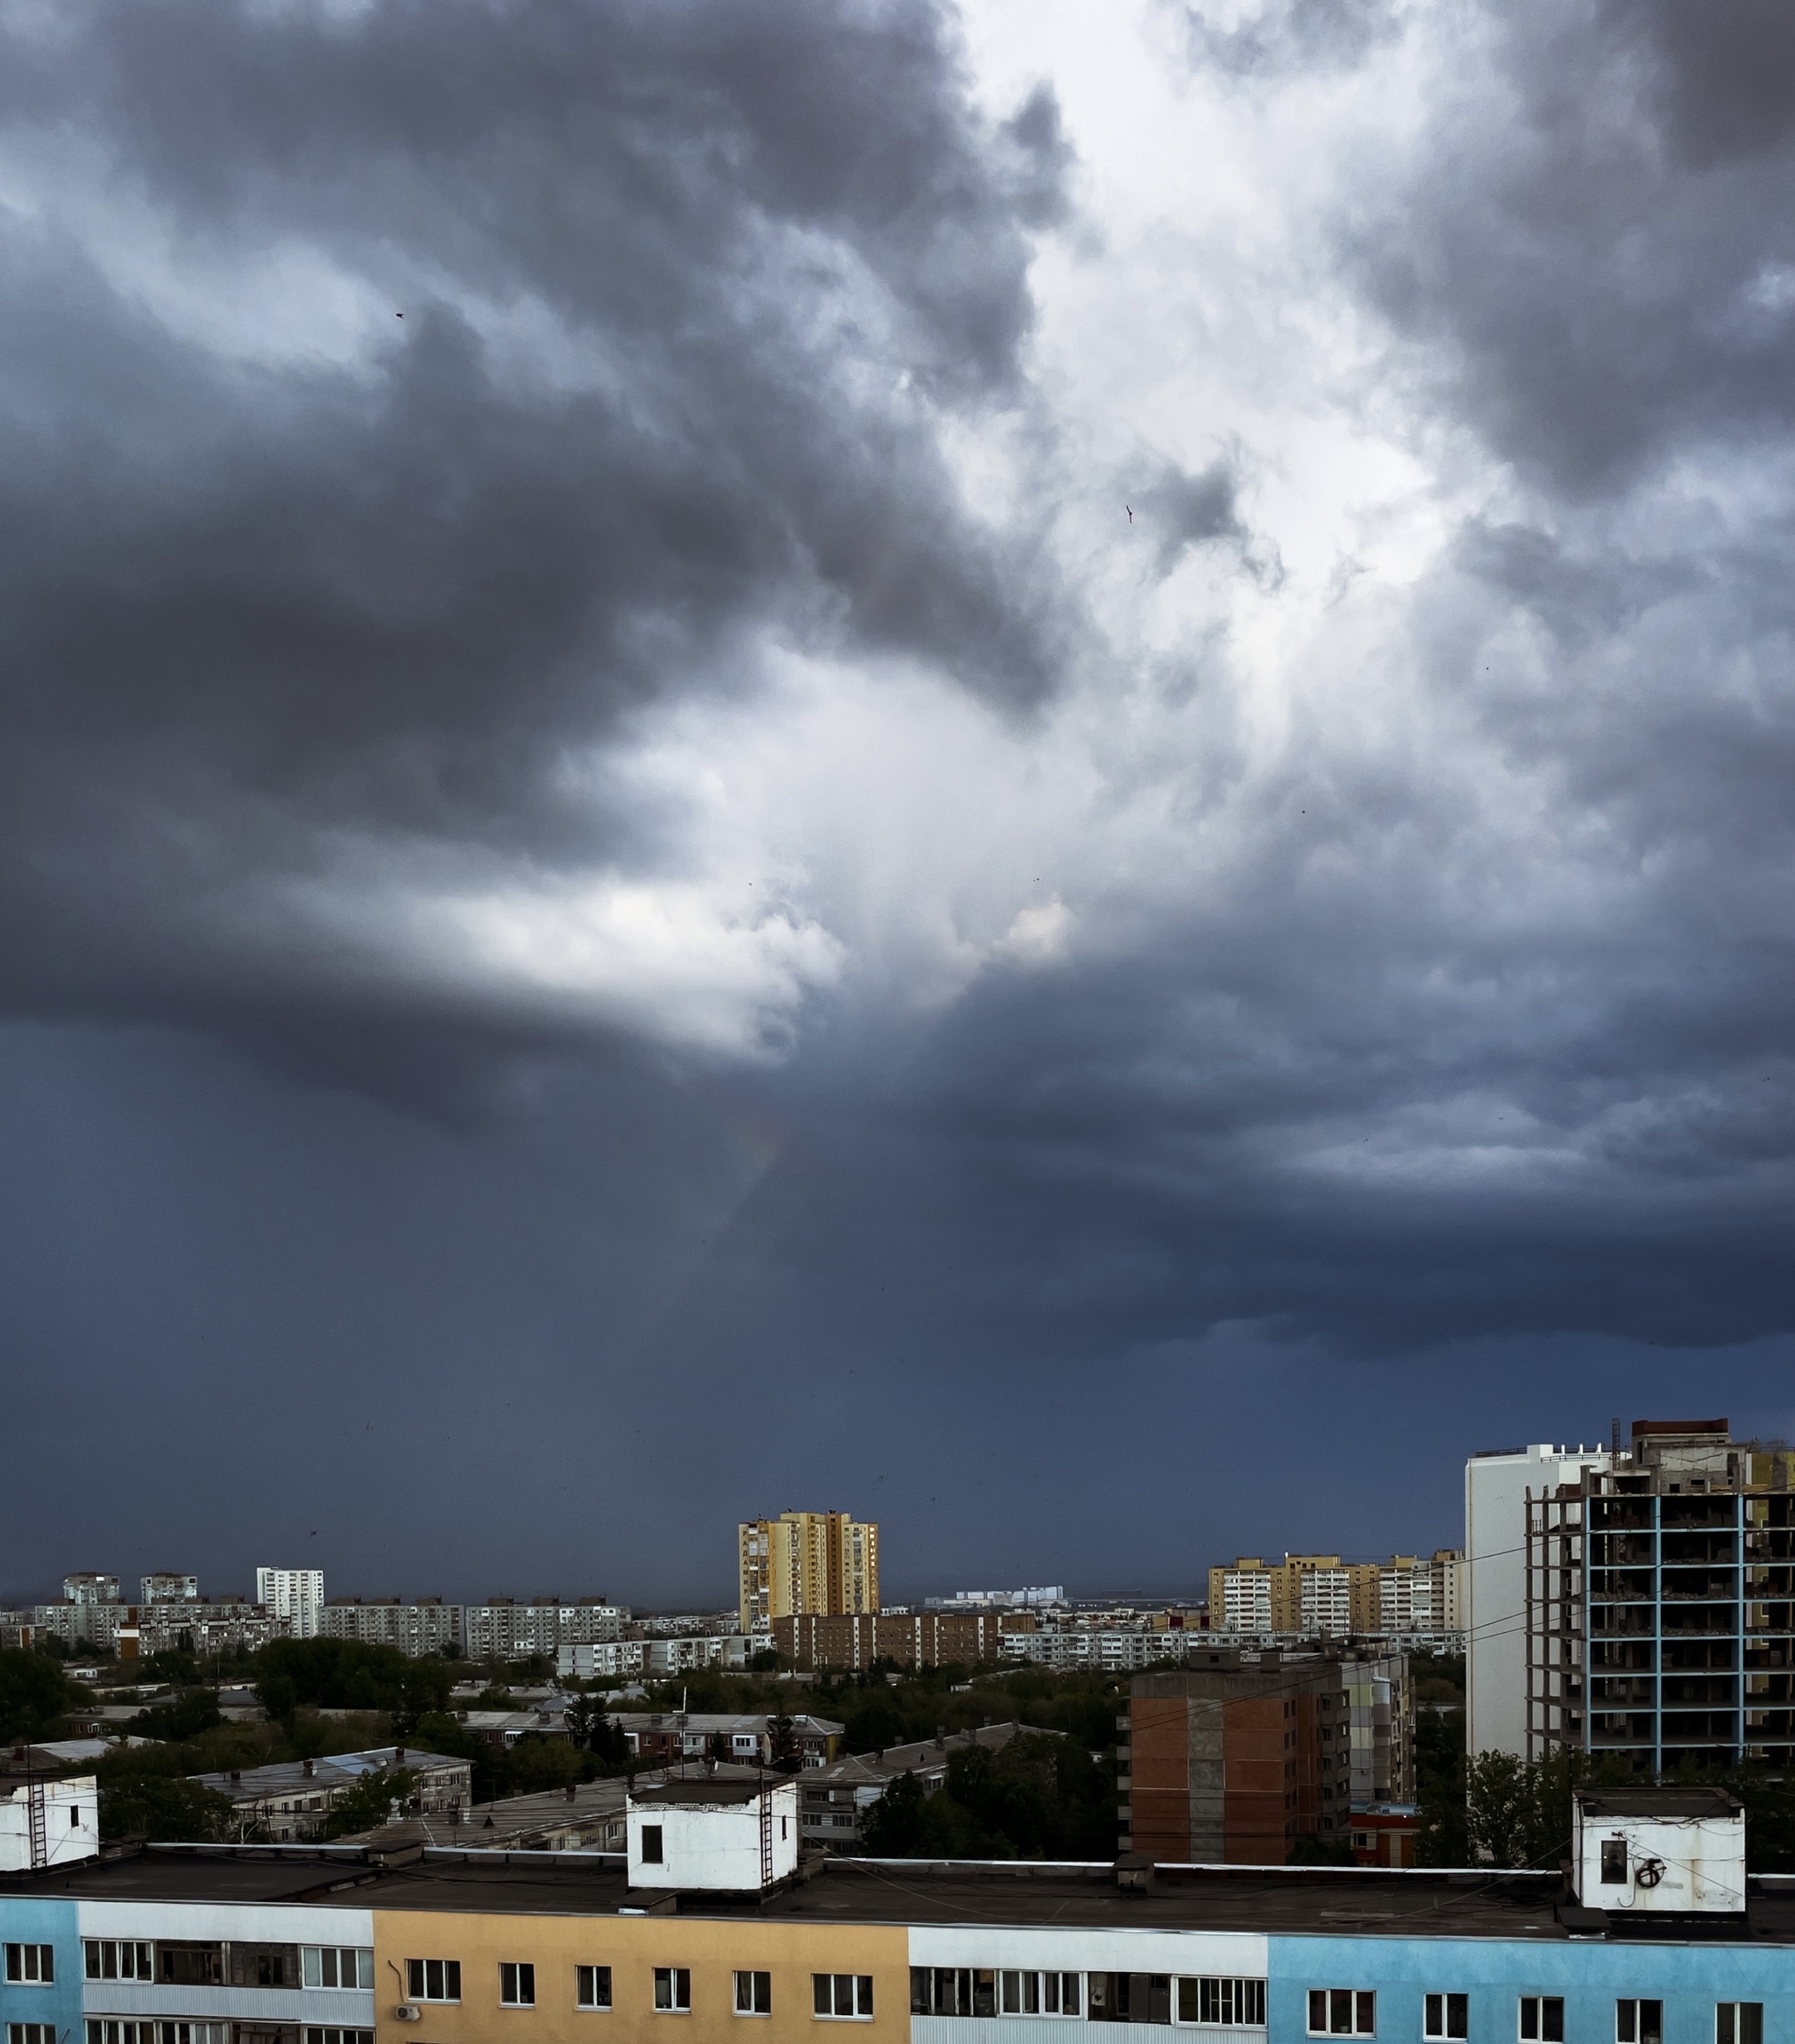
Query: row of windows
{"x": 193, "y": 1963}
{"x": 111, "y": 2030}
{"x": 1102, "y": 1998}
{"x": 846, "y": 1995}
{"x": 1539, "y": 2019}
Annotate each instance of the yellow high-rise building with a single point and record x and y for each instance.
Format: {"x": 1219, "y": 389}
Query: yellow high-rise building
{"x": 825, "y": 1563}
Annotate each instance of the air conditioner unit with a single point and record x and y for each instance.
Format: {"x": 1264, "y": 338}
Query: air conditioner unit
{"x": 406, "y": 2013}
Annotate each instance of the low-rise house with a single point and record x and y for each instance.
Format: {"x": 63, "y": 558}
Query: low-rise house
{"x": 747, "y": 1740}
{"x": 289, "y": 1799}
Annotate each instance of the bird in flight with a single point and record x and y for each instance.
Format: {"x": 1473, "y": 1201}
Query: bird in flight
{"x": 1129, "y": 508}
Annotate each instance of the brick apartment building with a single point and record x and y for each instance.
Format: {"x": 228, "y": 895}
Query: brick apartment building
{"x": 1231, "y": 1763}
{"x": 925, "y": 1639}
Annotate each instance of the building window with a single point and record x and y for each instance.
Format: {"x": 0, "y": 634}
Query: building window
{"x": 1614, "y": 1862}
{"x": 1639, "y": 2022}
{"x": 1446, "y": 2015}
{"x": 651, "y": 1845}
{"x": 517, "y": 1986}
{"x": 673, "y": 1989}
{"x": 1342, "y": 2012}
{"x": 754, "y": 1994}
{"x": 337, "y": 1966}
{"x": 332, "y": 2036}
{"x": 31, "y": 1965}
{"x": 1542, "y": 2019}
{"x": 1041, "y": 1994}
{"x": 592, "y": 1987}
{"x": 433, "y": 1980}
{"x": 32, "y": 2032}
{"x": 1738, "y": 2022}
{"x": 845, "y": 1996}
{"x": 1221, "y": 2002}
{"x": 117, "y": 1959}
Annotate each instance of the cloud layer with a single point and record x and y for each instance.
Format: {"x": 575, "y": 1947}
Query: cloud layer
{"x": 997, "y": 691}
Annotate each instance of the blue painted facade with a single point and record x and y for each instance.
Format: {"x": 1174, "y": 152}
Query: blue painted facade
{"x": 44, "y": 1920}
{"x": 1591, "y": 1975}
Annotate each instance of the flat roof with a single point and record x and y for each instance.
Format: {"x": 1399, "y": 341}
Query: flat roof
{"x": 1674, "y": 1805}
{"x": 1313, "y": 1901}
{"x": 701, "y": 1791}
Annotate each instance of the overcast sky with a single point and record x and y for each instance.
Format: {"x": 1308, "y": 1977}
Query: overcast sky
{"x": 1028, "y": 768}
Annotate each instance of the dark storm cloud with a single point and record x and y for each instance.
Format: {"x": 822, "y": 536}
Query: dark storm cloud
{"x": 1605, "y": 246}
{"x": 1412, "y": 981}
{"x": 250, "y": 595}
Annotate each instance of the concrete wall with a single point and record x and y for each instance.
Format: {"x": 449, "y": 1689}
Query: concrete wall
{"x": 1702, "y": 1862}
{"x": 71, "y": 1824}
{"x": 1688, "y": 1979}
{"x": 43, "y": 1919}
{"x": 714, "y": 1846}
{"x": 633, "y": 1948}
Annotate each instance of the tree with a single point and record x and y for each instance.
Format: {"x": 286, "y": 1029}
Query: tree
{"x": 349, "y": 1674}
{"x": 787, "y": 1754}
{"x": 535, "y": 1763}
{"x": 34, "y": 1692}
{"x": 369, "y": 1804}
{"x": 1439, "y": 1766}
{"x": 192, "y": 1711}
{"x": 1499, "y": 1809}
{"x": 167, "y": 1808}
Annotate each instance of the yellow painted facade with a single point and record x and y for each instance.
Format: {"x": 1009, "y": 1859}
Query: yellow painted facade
{"x": 712, "y": 1949}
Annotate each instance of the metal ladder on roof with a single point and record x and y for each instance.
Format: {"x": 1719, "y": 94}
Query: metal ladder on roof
{"x": 766, "y": 1835}
{"x": 37, "y": 1821}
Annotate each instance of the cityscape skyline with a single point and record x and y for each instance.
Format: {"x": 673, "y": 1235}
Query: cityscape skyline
{"x": 971, "y": 763}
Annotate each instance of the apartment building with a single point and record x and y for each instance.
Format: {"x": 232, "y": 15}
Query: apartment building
{"x": 296, "y": 1595}
{"x": 925, "y": 1639}
{"x": 426, "y": 1625}
{"x": 1659, "y": 1613}
{"x": 1498, "y": 1484}
{"x": 1319, "y": 1595}
{"x": 309, "y": 1946}
{"x": 1230, "y": 1761}
{"x": 165, "y": 1587}
{"x": 91, "y": 1589}
{"x": 806, "y": 1563}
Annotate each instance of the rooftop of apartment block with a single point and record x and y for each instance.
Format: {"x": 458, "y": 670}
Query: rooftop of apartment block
{"x": 1315, "y": 1901}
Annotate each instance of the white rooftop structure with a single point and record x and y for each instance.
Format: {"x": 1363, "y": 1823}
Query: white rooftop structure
{"x": 1659, "y": 1851}
{"x": 733, "y": 1837}
{"x": 50, "y": 1824}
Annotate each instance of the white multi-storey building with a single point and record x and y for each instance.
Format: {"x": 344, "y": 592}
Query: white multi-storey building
{"x": 296, "y": 1595}
{"x": 1496, "y": 1489}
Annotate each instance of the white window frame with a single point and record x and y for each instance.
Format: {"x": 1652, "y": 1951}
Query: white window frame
{"x": 1016, "y": 1986}
{"x": 142, "y": 1960}
{"x": 315, "y": 1961}
{"x": 517, "y": 1983}
{"x": 30, "y": 2034}
{"x": 677, "y": 1982}
{"x": 1630, "y": 2018}
{"x": 1437, "y": 2027}
{"x": 1356, "y": 2000}
{"x": 1234, "y": 2003}
{"x": 855, "y": 1988}
{"x": 756, "y": 1983}
{"x": 417, "y": 1980}
{"x": 1739, "y": 2028}
{"x": 30, "y": 1965}
{"x": 585, "y": 1980}
{"x": 1539, "y": 2004}
{"x": 333, "y": 2034}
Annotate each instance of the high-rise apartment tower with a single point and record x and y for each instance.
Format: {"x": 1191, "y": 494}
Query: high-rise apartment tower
{"x": 820, "y": 1564}
{"x": 297, "y": 1593}
{"x": 1659, "y": 1614}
